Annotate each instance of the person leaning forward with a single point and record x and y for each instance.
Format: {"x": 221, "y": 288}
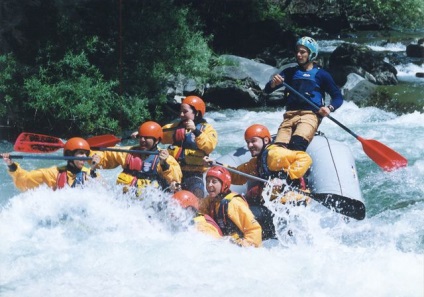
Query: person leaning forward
{"x": 202, "y": 222}
{"x": 301, "y": 120}
{"x": 73, "y": 174}
{"x": 140, "y": 170}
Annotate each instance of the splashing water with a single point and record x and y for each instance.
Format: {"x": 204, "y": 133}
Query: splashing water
{"x": 98, "y": 242}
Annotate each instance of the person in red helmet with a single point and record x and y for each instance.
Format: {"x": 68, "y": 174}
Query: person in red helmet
{"x": 142, "y": 170}
{"x": 230, "y": 210}
{"x": 73, "y": 174}
{"x": 270, "y": 161}
{"x": 191, "y": 139}
{"x": 203, "y": 222}
{"x": 301, "y": 120}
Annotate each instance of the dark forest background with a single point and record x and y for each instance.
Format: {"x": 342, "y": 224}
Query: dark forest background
{"x": 87, "y": 67}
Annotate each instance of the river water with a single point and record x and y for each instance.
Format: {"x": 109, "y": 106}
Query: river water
{"x": 96, "y": 242}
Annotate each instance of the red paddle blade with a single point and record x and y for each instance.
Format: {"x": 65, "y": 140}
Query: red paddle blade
{"x": 103, "y": 140}
{"x": 37, "y": 143}
{"x": 384, "y": 156}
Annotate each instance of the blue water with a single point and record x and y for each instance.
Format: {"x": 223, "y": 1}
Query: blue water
{"x": 96, "y": 242}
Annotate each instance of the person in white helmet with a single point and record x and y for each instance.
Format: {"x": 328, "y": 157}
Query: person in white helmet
{"x": 301, "y": 119}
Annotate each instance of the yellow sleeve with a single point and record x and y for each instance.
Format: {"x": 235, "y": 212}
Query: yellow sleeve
{"x": 295, "y": 163}
{"x": 173, "y": 173}
{"x": 167, "y": 135}
{"x": 248, "y": 167}
{"x": 110, "y": 160}
{"x": 208, "y": 139}
{"x": 25, "y": 180}
{"x": 241, "y": 215}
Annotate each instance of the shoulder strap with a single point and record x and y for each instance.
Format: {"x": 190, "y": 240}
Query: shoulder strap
{"x": 224, "y": 222}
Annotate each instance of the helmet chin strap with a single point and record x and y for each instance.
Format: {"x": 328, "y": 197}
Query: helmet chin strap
{"x": 263, "y": 145}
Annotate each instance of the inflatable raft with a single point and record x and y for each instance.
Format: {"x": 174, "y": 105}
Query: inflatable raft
{"x": 332, "y": 180}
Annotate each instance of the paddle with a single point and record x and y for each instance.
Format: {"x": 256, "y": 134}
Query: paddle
{"x": 111, "y": 140}
{"x": 39, "y": 143}
{"x": 382, "y": 155}
{"x": 346, "y": 206}
{"x": 127, "y": 151}
{"x": 105, "y": 140}
{"x": 97, "y": 143}
{"x": 49, "y": 157}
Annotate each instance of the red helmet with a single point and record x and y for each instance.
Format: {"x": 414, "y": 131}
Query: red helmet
{"x": 223, "y": 175}
{"x": 151, "y": 129}
{"x": 196, "y": 102}
{"x": 76, "y": 143}
{"x": 186, "y": 199}
{"x": 257, "y": 130}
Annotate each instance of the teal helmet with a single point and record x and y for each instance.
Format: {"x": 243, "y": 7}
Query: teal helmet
{"x": 311, "y": 45}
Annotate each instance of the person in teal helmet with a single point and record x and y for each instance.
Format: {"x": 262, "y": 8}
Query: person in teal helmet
{"x": 301, "y": 120}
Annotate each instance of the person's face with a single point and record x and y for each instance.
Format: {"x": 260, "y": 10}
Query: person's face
{"x": 79, "y": 163}
{"x": 255, "y": 145}
{"x": 186, "y": 112}
{"x": 213, "y": 186}
{"x": 146, "y": 143}
{"x": 302, "y": 54}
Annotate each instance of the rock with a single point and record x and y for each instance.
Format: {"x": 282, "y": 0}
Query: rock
{"x": 232, "y": 94}
{"x": 243, "y": 68}
{"x": 351, "y": 58}
{"x": 240, "y": 83}
{"x": 415, "y": 50}
{"x": 357, "y": 89}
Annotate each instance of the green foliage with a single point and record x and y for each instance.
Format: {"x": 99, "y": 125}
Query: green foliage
{"x": 389, "y": 13}
{"x": 272, "y": 10}
{"x": 71, "y": 96}
{"x": 8, "y": 66}
{"x": 167, "y": 42}
{"x": 11, "y": 95}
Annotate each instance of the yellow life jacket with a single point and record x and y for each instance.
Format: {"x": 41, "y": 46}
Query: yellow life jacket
{"x": 185, "y": 150}
{"x": 139, "y": 173}
{"x": 224, "y": 222}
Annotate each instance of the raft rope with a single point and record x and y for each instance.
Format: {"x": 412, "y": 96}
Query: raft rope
{"x": 332, "y": 159}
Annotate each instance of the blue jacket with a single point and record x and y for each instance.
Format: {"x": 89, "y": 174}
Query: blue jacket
{"x": 313, "y": 84}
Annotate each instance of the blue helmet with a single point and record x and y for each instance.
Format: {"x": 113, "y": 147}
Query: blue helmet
{"x": 311, "y": 45}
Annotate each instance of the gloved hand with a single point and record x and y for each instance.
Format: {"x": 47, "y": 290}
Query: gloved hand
{"x": 296, "y": 198}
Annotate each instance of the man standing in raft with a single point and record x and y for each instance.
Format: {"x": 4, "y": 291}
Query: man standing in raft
{"x": 301, "y": 120}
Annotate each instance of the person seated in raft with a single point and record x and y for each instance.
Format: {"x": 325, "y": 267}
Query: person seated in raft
{"x": 301, "y": 120}
{"x": 230, "y": 210}
{"x": 140, "y": 170}
{"x": 73, "y": 174}
{"x": 203, "y": 222}
{"x": 191, "y": 139}
{"x": 270, "y": 161}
